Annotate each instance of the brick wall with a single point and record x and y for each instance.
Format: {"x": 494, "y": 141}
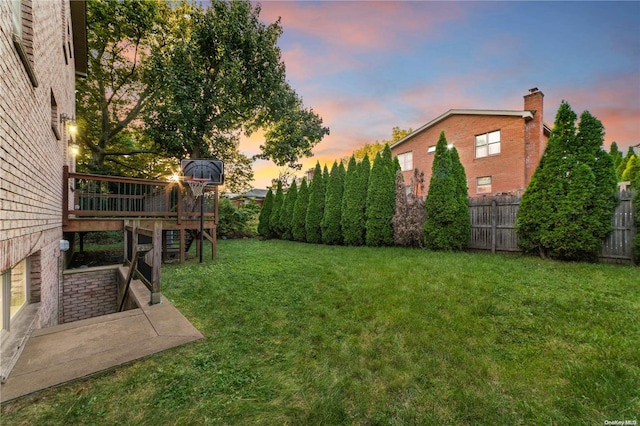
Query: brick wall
{"x": 522, "y": 142}
{"x": 89, "y": 293}
{"x": 31, "y": 153}
{"x": 506, "y": 169}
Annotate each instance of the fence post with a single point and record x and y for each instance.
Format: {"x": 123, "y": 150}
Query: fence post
{"x": 494, "y": 224}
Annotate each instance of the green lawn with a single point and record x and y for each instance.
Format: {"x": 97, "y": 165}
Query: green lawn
{"x": 320, "y": 335}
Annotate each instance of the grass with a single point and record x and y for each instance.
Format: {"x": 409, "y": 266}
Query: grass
{"x": 320, "y": 335}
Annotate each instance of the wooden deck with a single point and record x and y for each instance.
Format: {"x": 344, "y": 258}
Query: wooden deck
{"x": 106, "y": 203}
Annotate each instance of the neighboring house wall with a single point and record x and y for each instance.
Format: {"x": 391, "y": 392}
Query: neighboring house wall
{"x": 37, "y": 85}
{"x": 522, "y": 142}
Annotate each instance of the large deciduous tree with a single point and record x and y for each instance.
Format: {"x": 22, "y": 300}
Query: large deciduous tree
{"x": 222, "y": 74}
{"x": 566, "y": 210}
{"x": 117, "y": 89}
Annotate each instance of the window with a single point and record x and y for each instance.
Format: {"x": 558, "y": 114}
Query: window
{"x": 22, "y": 30}
{"x": 406, "y": 161}
{"x": 13, "y": 294}
{"x": 483, "y": 185}
{"x": 54, "y": 117}
{"x": 488, "y": 144}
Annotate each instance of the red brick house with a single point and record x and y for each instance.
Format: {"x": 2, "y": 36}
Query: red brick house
{"x": 499, "y": 149}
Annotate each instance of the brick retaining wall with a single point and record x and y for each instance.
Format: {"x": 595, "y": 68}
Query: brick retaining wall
{"x": 89, "y": 293}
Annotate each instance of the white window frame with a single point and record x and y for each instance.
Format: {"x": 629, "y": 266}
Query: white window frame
{"x": 406, "y": 161}
{"x": 484, "y": 184}
{"x": 488, "y": 144}
{"x": 5, "y": 287}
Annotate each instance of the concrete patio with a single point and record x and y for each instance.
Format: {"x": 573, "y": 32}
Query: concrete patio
{"x": 60, "y": 354}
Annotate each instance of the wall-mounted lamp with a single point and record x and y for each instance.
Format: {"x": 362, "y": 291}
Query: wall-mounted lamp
{"x": 74, "y": 149}
{"x": 70, "y": 123}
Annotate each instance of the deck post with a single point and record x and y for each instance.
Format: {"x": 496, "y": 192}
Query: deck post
{"x": 156, "y": 262}
{"x": 65, "y": 195}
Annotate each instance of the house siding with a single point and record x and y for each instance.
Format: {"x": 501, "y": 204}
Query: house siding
{"x": 32, "y": 156}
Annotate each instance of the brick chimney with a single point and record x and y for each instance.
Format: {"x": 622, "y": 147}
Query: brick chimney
{"x": 534, "y": 140}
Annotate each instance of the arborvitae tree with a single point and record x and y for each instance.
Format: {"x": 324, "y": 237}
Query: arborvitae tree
{"x": 633, "y": 167}
{"x": 381, "y": 200}
{"x": 463, "y": 228}
{"x": 536, "y": 214}
{"x": 616, "y": 155}
{"x": 443, "y": 206}
{"x": 353, "y": 203}
{"x": 315, "y": 211}
{"x": 286, "y": 213}
{"x": 265, "y": 214}
{"x": 566, "y": 211}
{"x": 331, "y": 228}
{"x": 299, "y": 219}
{"x": 623, "y": 164}
{"x": 274, "y": 219}
{"x": 325, "y": 178}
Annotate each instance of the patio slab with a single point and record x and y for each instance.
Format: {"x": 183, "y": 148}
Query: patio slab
{"x": 60, "y": 354}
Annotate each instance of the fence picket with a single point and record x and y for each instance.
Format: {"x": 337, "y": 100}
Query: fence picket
{"x": 493, "y": 227}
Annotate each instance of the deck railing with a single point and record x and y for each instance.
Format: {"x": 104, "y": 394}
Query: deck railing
{"x": 113, "y": 197}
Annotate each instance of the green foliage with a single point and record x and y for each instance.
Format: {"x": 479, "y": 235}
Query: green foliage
{"x": 235, "y": 222}
{"x": 623, "y": 163}
{"x": 264, "y": 228}
{"x": 354, "y": 201}
{"x": 315, "y": 210}
{"x": 274, "y": 218}
{"x": 381, "y": 200}
{"x": 117, "y": 90}
{"x": 299, "y": 219}
{"x": 222, "y": 74}
{"x": 372, "y": 149}
{"x": 566, "y": 211}
{"x": 616, "y": 155}
{"x": 330, "y": 225}
{"x": 447, "y": 224}
{"x": 286, "y": 213}
{"x": 631, "y": 171}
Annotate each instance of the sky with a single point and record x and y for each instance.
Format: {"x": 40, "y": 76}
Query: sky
{"x": 368, "y": 66}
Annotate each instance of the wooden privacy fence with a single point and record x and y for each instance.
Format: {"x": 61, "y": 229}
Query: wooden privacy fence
{"x": 493, "y": 227}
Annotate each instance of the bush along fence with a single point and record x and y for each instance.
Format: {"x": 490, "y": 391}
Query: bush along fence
{"x": 493, "y": 227}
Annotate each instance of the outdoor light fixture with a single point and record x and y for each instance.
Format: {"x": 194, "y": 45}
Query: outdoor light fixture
{"x": 70, "y": 123}
{"x": 74, "y": 149}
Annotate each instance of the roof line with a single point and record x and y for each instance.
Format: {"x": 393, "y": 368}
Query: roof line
{"x": 513, "y": 113}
